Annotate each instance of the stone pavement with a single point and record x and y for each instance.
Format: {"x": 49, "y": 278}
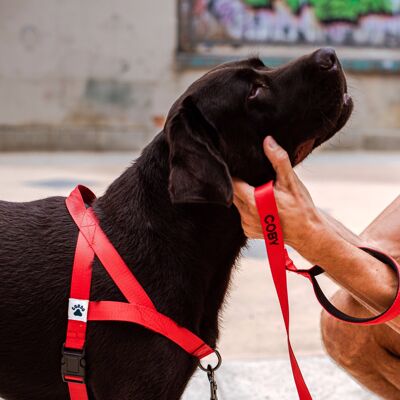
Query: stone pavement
{"x": 271, "y": 380}
{"x": 352, "y": 186}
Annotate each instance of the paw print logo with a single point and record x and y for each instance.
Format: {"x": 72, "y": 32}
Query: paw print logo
{"x": 78, "y": 309}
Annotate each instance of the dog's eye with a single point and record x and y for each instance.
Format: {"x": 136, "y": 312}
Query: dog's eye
{"x": 256, "y": 90}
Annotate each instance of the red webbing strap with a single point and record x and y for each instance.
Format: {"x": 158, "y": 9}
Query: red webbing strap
{"x": 76, "y": 328}
{"x": 79, "y": 297}
{"x": 105, "y": 251}
{"x": 151, "y": 319}
{"x": 273, "y": 236}
{"x": 80, "y": 289}
{"x": 77, "y": 391}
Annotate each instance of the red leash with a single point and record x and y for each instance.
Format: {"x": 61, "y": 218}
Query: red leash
{"x": 280, "y": 262}
{"x": 273, "y": 236}
{"x": 139, "y": 309}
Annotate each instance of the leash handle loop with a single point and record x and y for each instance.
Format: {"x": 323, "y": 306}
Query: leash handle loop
{"x": 392, "y": 312}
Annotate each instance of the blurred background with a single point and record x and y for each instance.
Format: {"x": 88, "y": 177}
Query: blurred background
{"x": 101, "y": 75}
{"x": 85, "y": 85}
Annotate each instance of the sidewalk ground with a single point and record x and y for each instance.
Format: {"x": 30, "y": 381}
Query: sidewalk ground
{"x": 353, "y": 187}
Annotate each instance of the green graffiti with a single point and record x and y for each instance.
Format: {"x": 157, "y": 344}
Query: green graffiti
{"x": 295, "y": 4}
{"x": 329, "y": 10}
{"x": 349, "y": 10}
{"x": 258, "y": 3}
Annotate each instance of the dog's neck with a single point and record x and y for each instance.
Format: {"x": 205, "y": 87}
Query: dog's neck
{"x": 198, "y": 243}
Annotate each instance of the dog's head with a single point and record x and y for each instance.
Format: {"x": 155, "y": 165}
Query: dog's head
{"x": 216, "y": 128}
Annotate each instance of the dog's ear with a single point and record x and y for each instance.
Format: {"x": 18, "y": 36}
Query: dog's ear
{"x": 198, "y": 174}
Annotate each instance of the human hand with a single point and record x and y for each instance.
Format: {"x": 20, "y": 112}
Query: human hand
{"x": 298, "y": 215}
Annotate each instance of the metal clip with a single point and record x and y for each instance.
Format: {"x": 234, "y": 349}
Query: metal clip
{"x": 213, "y": 383}
{"x": 211, "y": 376}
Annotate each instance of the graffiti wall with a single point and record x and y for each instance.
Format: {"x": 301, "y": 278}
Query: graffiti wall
{"x": 356, "y": 23}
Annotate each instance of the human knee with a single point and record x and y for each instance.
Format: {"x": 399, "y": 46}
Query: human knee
{"x": 330, "y": 331}
{"x": 343, "y": 342}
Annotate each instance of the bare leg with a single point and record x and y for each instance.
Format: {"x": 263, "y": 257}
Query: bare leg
{"x": 384, "y": 231}
{"x": 370, "y": 354}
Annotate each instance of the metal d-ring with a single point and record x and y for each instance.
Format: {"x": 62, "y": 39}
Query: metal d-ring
{"x": 206, "y": 369}
{"x": 211, "y": 377}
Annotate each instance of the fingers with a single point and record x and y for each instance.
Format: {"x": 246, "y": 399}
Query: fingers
{"x": 243, "y": 191}
{"x": 245, "y": 202}
{"x": 249, "y": 219}
{"x": 279, "y": 160}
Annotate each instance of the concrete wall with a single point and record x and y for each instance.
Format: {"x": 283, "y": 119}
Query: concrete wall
{"x": 376, "y": 120}
{"x": 97, "y": 74}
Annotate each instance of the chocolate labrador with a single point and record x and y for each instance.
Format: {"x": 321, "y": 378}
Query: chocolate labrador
{"x": 170, "y": 216}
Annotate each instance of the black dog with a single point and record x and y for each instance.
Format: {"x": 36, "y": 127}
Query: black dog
{"x": 170, "y": 216}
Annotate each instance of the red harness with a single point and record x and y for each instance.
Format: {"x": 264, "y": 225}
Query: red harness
{"x": 139, "y": 308}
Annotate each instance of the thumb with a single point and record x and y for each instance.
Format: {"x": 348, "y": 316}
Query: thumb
{"x": 279, "y": 159}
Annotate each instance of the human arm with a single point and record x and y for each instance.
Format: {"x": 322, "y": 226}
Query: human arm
{"x": 321, "y": 239}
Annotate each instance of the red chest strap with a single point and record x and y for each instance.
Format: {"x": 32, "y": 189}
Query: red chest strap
{"x": 279, "y": 262}
{"x": 139, "y": 309}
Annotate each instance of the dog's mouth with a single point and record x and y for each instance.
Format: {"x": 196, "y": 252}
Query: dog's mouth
{"x": 305, "y": 148}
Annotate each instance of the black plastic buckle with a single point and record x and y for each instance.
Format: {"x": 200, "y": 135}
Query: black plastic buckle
{"x": 73, "y": 365}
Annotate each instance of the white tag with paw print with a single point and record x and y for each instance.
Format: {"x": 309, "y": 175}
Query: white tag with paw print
{"x": 78, "y": 309}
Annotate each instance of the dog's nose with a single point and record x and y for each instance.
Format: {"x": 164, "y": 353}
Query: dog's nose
{"x": 326, "y": 58}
